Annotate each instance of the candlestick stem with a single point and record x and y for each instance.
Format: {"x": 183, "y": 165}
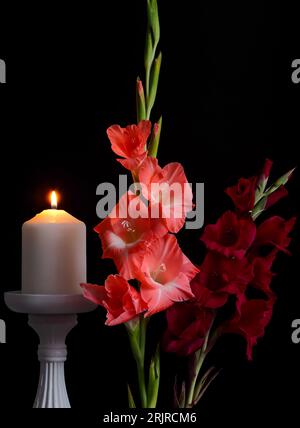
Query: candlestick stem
{"x": 52, "y": 353}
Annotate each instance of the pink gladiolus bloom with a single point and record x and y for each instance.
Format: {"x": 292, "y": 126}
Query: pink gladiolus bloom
{"x": 168, "y": 191}
{"x": 124, "y": 238}
{"x": 122, "y": 301}
{"x": 130, "y": 143}
{"x": 165, "y": 275}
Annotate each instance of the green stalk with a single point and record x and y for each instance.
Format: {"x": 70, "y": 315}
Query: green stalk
{"x": 142, "y": 383}
{"x": 209, "y": 342}
{"x": 137, "y": 339}
{"x": 152, "y": 62}
{"x": 154, "y": 78}
{"x": 200, "y": 356}
{"x": 153, "y": 381}
{"x": 143, "y": 331}
{"x": 147, "y": 78}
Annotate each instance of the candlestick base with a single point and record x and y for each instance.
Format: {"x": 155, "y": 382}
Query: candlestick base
{"x": 52, "y": 317}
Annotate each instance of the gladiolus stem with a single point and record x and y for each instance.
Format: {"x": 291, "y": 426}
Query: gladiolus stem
{"x": 142, "y": 384}
{"x": 147, "y": 78}
{"x": 143, "y": 331}
{"x": 200, "y": 356}
{"x": 262, "y": 197}
{"x": 154, "y": 379}
{"x": 144, "y": 103}
{"x": 137, "y": 339}
{"x": 152, "y": 64}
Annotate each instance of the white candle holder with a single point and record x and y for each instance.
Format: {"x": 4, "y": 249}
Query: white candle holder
{"x": 52, "y": 316}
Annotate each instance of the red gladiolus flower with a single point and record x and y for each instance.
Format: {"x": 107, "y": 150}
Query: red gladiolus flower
{"x": 262, "y": 272}
{"x": 168, "y": 191}
{"x": 130, "y": 143}
{"x": 125, "y": 238}
{"x": 231, "y": 236}
{"x": 243, "y": 194}
{"x": 188, "y": 323}
{"x": 280, "y": 193}
{"x": 262, "y": 179}
{"x": 275, "y": 232}
{"x": 165, "y": 275}
{"x": 267, "y": 169}
{"x": 251, "y": 322}
{"x": 219, "y": 277}
{"x": 122, "y": 301}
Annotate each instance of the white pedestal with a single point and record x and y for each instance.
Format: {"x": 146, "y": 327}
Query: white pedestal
{"x": 52, "y": 317}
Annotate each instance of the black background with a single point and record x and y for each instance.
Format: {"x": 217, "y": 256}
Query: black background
{"x": 228, "y": 102}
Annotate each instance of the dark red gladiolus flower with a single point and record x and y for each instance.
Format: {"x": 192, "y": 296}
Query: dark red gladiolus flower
{"x": 230, "y": 236}
{"x": 243, "y": 194}
{"x": 251, "y": 322}
{"x": 263, "y": 274}
{"x": 280, "y": 193}
{"x": 262, "y": 179}
{"x": 188, "y": 323}
{"x": 275, "y": 232}
{"x": 267, "y": 168}
{"x": 219, "y": 277}
{"x": 122, "y": 301}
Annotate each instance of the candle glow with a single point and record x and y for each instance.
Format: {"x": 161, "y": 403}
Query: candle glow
{"x": 53, "y": 199}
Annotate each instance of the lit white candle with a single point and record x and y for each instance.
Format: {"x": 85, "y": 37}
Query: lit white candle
{"x": 53, "y": 252}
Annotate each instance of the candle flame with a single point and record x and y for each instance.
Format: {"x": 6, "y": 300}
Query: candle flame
{"x": 53, "y": 200}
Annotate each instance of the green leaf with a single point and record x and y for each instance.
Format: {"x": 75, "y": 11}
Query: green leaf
{"x": 204, "y": 383}
{"x": 154, "y": 378}
{"x": 154, "y": 20}
{"x": 260, "y": 189}
{"x": 259, "y": 207}
{"x": 155, "y": 137}
{"x": 179, "y": 394}
{"x": 154, "y": 78}
{"x": 148, "y": 56}
{"x": 280, "y": 182}
{"x": 261, "y": 197}
{"x": 175, "y": 393}
{"x": 182, "y": 396}
{"x": 152, "y": 39}
{"x": 131, "y": 402}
